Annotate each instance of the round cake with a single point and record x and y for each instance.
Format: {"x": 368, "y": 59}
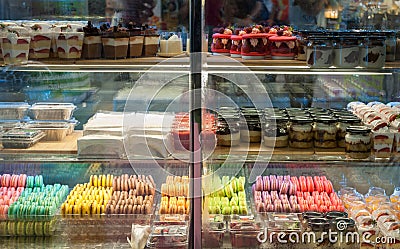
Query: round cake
{"x": 172, "y": 46}
{"x": 254, "y": 46}
{"x": 221, "y": 44}
{"x": 283, "y": 47}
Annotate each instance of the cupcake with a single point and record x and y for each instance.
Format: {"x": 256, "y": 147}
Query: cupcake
{"x": 136, "y": 40}
{"x": 254, "y": 43}
{"x": 236, "y": 46}
{"x": 283, "y": 45}
{"x": 40, "y": 42}
{"x": 151, "y": 41}
{"x": 115, "y": 43}
{"x": 92, "y": 45}
{"x": 69, "y": 43}
{"x": 222, "y": 42}
{"x": 16, "y": 45}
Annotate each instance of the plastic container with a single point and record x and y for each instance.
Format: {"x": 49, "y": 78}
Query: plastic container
{"x": 276, "y": 132}
{"x": 325, "y": 131}
{"x": 343, "y": 123}
{"x": 52, "y": 111}
{"x": 373, "y": 52}
{"x": 301, "y": 132}
{"x": 382, "y": 143}
{"x": 358, "y": 142}
{"x": 13, "y": 110}
{"x": 213, "y": 233}
{"x": 21, "y": 138}
{"x": 244, "y": 232}
{"x": 168, "y": 236}
{"x": 319, "y": 52}
{"x": 228, "y": 129}
{"x": 346, "y": 52}
{"x": 55, "y": 131}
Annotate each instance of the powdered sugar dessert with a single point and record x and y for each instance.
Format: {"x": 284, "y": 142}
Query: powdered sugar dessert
{"x": 15, "y": 48}
{"x": 171, "y": 47}
{"x": 222, "y": 42}
{"x": 254, "y": 43}
{"x": 40, "y": 42}
{"x": 69, "y": 43}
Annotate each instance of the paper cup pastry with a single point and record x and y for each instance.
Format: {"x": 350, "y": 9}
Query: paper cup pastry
{"x": 150, "y": 45}
{"x": 115, "y": 44}
{"x": 222, "y": 42}
{"x": 283, "y": 45}
{"x": 136, "y": 39}
{"x": 171, "y": 47}
{"x": 40, "y": 42}
{"x": 69, "y": 45}
{"x": 15, "y": 48}
{"x": 92, "y": 44}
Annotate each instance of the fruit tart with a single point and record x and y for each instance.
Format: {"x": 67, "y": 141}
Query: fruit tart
{"x": 283, "y": 45}
{"x": 236, "y": 43}
{"x": 254, "y": 43}
{"x": 222, "y": 42}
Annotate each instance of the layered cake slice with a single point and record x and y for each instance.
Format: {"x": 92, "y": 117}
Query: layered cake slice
{"x": 92, "y": 45}
{"x": 150, "y": 44}
{"x": 382, "y": 143}
{"x": 136, "y": 39}
{"x": 115, "y": 43}
{"x": 40, "y": 42}
{"x": 69, "y": 44}
{"x": 15, "y": 48}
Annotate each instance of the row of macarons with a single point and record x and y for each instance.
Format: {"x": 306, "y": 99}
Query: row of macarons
{"x": 22, "y": 180}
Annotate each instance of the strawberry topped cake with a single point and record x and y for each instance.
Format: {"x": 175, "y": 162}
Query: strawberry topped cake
{"x": 69, "y": 43}
{"x": 236, "y": 46}
{"x": 222, "y": 42}
{"x": 40, "y": 42}
{"x": 283, "y": 45}
{"x": 254, "y": 43}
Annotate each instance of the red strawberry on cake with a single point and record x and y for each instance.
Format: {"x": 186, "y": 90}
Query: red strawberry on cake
{"x": 254, "y": 43}
{"x": 283, "y": 45}
{"x": 222, "y": 42}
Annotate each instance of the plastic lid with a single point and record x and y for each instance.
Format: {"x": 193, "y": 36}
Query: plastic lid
{"x": 358, "y": 129}
{"x": 326, "y": 120}
{"x": 301, "y": 120}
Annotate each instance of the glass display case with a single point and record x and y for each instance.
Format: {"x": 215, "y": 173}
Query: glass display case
{"x": 142, "y": 136}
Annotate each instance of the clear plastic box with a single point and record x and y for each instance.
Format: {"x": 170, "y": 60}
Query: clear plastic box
{"x": 244, "y": 232}
{"x": 168, "y": 235}
{"x": 21, "y": 138}
{"x": 55, "y": 131}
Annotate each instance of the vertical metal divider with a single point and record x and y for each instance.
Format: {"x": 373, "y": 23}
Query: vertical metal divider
{"x": 195, "y": 87}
